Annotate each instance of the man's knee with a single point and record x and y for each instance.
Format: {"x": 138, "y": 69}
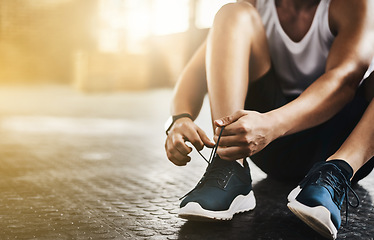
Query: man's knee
{"x": 238, "y": 14}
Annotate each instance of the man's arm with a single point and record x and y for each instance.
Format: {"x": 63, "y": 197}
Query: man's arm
{"x": 191, "y": 86}
{"x": 348, "y": 60}
{"x": 188, "y": 98}
{"x": 248, "y": 132}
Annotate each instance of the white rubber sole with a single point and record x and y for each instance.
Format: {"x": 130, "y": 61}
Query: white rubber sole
{"x": 293, "y": 194}
{"x": 242, "y": 203}
{"x": 318, "y": 218}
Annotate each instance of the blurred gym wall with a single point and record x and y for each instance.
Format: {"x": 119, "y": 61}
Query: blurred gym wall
{"x": 101, "y": 45}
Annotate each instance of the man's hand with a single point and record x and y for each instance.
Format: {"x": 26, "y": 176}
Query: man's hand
{"x": 245, "y": 133}
{"x": 185, "y": 130}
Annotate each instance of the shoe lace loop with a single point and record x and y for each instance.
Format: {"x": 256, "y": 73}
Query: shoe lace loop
{"x": 211, "y": 173}
{"x": 348, "y": 189}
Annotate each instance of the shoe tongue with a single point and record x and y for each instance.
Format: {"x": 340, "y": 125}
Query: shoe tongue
{"x": 218, "y": 162}
{"x": 344, "y": 167}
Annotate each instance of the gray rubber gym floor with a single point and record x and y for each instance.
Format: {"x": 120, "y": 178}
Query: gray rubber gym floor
{"x": 92, "y": 166}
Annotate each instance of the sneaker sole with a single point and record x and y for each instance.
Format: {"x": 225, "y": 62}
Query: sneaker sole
{"x": 242, "y": 203}
{"x": 293, "y": 194}
{"x": 318, "y": 218}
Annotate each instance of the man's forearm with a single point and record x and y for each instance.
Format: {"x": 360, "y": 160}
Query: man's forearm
{"x": 191, "y": 87}
{"x": 318, "y": 103}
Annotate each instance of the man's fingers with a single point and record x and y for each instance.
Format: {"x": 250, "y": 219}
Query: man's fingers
{"x": 222, "y": 122}
{"x": 195, "y": 140}
{"x": 207, "y": 142}
{"x": 175, "y": 156}
{"x": 176, "y": 144}
{"x": 234, "y": 128}
{"x": 180, "y": 162}
{"x": 232, "y": 140}
{"x": 180, "y": 145}
{"x": 232, "y": 153}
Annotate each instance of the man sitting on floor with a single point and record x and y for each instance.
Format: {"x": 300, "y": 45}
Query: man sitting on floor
{"x": 288, "y": 81}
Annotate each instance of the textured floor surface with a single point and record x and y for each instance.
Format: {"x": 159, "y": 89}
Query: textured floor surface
{"x": 76, "y": 166}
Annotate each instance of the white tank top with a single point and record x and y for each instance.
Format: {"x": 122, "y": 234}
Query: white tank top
{"x": 297, "y": 64}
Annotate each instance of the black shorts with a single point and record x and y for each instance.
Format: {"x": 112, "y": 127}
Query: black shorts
{"x": 291, "y": 157}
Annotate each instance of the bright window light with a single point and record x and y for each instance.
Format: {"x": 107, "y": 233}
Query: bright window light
{"x": 206, "y": 10}
{"x": 169, "y": 16}
{"x": 131, "y": 22}
{"x": 137, "y": 16}
{"x": 111, "y": 23}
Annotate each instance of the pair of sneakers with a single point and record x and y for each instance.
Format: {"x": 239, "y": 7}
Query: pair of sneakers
{"x": 226, "y": 189}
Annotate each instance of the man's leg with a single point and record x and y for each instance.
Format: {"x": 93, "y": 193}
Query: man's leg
{"x": 319, "y": 197}
{"x": 291, "y": 157}
{"x": 237, "y": 46}
{"x": 236, "y": 55}
{"x": 359, "y": 146}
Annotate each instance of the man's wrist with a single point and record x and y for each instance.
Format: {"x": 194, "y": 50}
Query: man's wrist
{"x": 172, "y": 119}
{"x": 277, "y": 124}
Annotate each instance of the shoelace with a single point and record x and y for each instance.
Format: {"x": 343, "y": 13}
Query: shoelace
{"x": 333, "y": 181}
{"x": 346, "y": 188}
{"x": 209, "y": 161}
{"x": 214, "y": 150}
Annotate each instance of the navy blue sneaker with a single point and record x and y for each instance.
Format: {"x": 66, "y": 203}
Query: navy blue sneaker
{"x": 224, "y": 190}
{"x": 319, "y": 197}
